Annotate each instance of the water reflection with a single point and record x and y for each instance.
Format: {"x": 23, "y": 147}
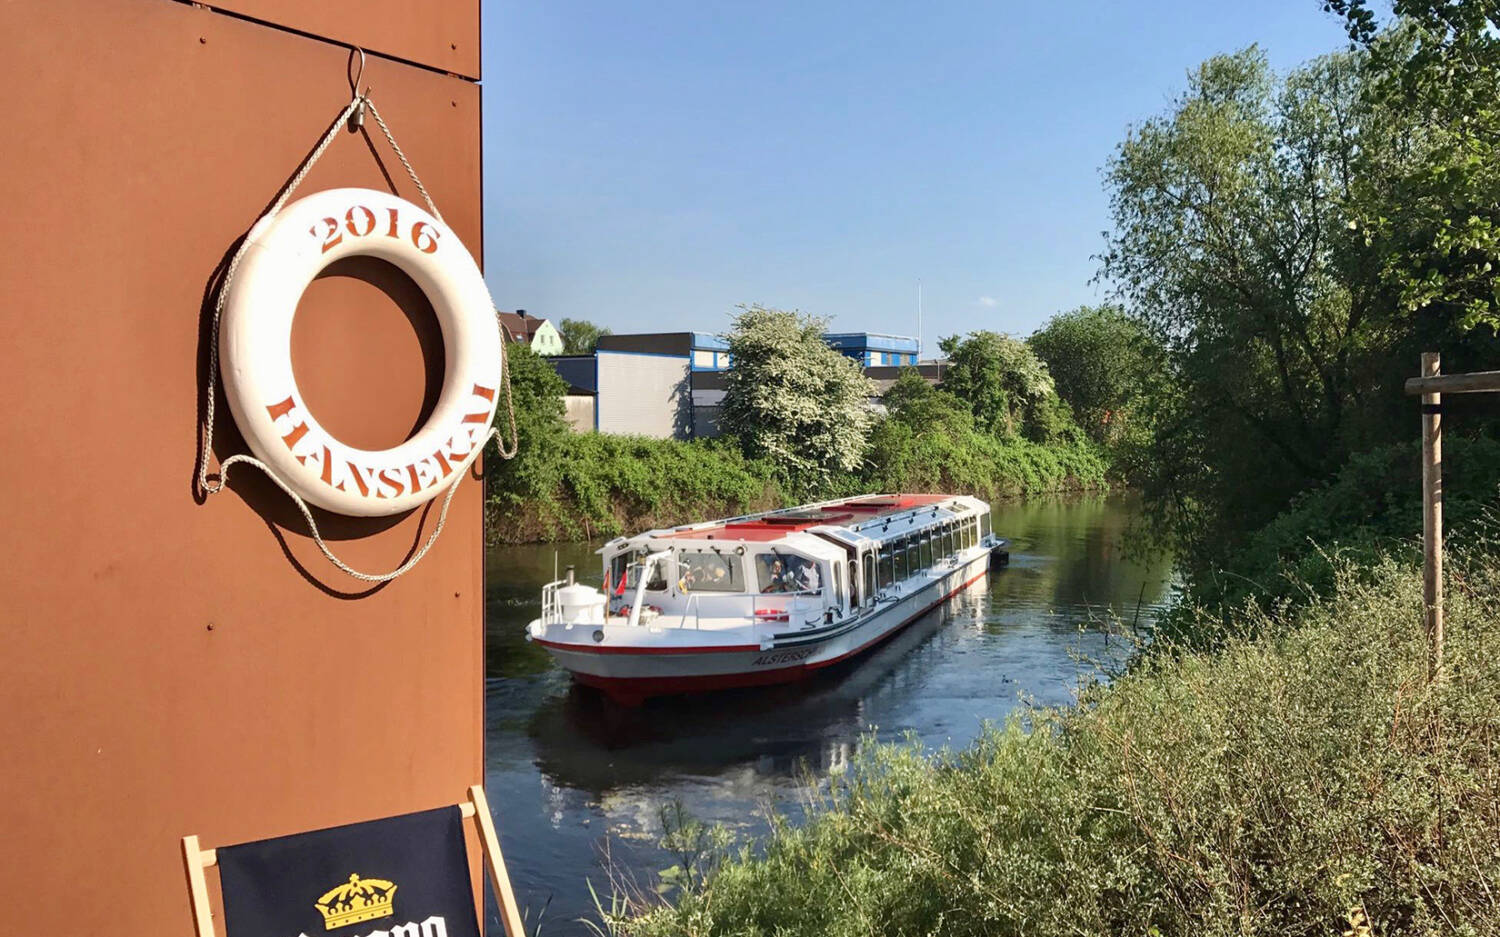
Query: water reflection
{"x": 571, "y": 774}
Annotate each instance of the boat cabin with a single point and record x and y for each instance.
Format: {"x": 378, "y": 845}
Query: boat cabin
{"x": 807, "y": 565}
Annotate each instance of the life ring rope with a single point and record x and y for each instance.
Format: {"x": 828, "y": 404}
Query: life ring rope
{"x": 211, "y": 484}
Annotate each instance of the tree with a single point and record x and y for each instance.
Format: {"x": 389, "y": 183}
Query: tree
{"x": 913, "y": 401}
{"x": 792, "y": 399}
{"x": 1231, "y": 248}
{"x": 1005, "y": 385}
{"x": 537, "y": 394}
{"x": 1431, "y": 218}
{"x": 580, "y": 337}
{"x": 1101, "y": 362}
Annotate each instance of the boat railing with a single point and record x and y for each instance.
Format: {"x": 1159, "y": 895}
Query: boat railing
{"x": 551, "y": 613}
{"x": 751, "y": 606}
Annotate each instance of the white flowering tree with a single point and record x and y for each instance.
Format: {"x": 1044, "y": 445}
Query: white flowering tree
{"x": 792, "y": 399}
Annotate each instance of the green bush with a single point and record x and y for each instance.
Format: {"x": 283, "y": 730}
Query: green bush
{"x": 566, "y": 485}
{"x": 1288, "y": 785}
{"x": 597, "y": 484}
{"x": 1372, "y": 507}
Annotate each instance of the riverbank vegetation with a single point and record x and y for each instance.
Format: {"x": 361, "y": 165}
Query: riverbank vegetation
{"x": 1277, "y": 758}
{"x": 1295, "y": 783}
{"x": 799, "y": 429}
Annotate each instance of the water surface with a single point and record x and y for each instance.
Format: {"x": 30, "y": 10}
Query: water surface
{"x": 578, "y": 783}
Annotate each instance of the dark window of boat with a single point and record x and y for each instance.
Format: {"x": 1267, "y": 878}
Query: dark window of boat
{"x": 887, "y": 567}
{"x": 869, "y": 590}
{"x": 927, "y": 549}
{"x": 785, "y": 572}
{"x": 709, "y": 572}
{"x": 658, "y": 580}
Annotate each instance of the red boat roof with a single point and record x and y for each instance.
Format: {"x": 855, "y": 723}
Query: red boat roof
{"x": 778, "y": 524}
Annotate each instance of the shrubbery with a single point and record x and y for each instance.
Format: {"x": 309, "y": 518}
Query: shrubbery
{"x": 1372, "y": 507}
{"x": 597, "y": 484}
{"x": 565, "y": 485}
{"x": 1286, "y": 785}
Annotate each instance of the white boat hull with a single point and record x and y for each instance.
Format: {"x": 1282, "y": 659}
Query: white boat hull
{"x": 632, "y": 663}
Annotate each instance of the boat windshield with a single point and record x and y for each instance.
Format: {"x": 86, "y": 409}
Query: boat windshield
{"x": 709, "y": 572}
{"x": 786, "y": 572}
{"x": 625, "y": 574}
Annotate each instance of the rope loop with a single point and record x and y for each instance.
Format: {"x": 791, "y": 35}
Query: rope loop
{"x": 352, "y": 114}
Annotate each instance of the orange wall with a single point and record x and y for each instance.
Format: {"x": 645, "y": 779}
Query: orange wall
{"x": 170, "y": 667}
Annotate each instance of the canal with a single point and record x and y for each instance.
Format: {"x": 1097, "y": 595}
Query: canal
{"x": 578, "y": 785}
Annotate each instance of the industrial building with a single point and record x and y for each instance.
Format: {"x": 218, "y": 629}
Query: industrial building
{"x": 671, "y": 384}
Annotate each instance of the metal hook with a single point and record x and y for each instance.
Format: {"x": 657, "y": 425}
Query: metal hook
{"x": 357, "y": 118}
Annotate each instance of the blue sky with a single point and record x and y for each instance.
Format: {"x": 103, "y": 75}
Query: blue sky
{"x": 649, "y": 165}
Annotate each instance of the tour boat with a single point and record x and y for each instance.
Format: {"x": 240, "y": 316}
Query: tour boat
{"x": 763, "y": 598}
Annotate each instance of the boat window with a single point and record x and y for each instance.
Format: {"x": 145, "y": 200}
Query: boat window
{"x": 869, "y": 563}
{"x": 627, "y": 567}
{"x": 913, "y": 554}
{"x": 887, "y": 568}
{"x": 854, "y": 584}
{"x": 927, "y": 549}
{"x": 709, "y": 572}
{"x": 898, "y": 557}
{"x": 786, "y": 572}
{"x": 619, "y": 566}
{"x": 658, "y": 580}
{"x": 971, "y": 531}
{"x": 948, "y": 538}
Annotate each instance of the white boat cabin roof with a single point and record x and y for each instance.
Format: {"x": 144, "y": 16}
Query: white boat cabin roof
{"x": 813, "y": 528}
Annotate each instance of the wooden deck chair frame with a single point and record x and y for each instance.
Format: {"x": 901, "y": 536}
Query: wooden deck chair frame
{"x": 477, "y": 806}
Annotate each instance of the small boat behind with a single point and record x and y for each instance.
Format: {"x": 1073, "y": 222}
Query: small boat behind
{"x": 764, "y": 598}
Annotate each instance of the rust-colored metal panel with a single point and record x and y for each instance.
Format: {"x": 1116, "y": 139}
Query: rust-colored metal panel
{"x": 171, "y": 667}
{"x": 441, "y": 34}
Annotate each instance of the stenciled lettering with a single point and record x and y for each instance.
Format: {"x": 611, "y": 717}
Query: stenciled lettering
{"x": 361, "y": 221}
{"x": 341, "y": 473}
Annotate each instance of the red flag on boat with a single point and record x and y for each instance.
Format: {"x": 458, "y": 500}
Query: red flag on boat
{"x": 606, "y": 581}
{"x": 620, "y": 589}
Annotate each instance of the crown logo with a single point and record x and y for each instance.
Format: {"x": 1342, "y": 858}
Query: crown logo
{"x": 361, "y": 899}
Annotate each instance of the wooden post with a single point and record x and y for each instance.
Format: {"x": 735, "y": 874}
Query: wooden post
{"x": 505, "y": 897}
{"x": 1432, "y": 516}
{"x": 195, "y": 859}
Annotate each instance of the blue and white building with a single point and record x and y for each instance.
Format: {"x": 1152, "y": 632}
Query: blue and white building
{"x": 875, "y": 349}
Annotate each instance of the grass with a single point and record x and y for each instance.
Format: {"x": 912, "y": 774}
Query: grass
{"x": 1305, "y": 781}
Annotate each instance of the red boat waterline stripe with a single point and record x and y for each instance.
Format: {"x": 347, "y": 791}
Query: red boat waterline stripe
{"x": 666, "y": 686}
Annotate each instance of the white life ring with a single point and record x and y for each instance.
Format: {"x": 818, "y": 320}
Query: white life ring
{"x": 284, "y": 252}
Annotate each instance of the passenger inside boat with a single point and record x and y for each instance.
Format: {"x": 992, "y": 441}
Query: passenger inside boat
{"x": 708, "y": 572}
{"x": 787, "y": 573}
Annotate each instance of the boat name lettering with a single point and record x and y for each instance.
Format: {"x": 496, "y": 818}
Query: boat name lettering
{"x": 782, "y": 657}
